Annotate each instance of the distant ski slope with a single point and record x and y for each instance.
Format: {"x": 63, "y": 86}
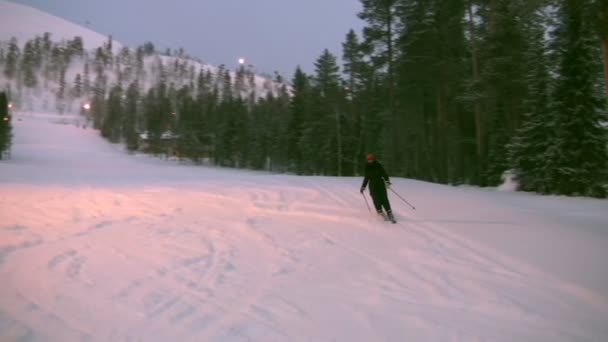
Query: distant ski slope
{"x": 25, "y": 22}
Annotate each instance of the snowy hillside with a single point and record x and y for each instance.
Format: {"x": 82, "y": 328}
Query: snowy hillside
{"x": 25, "y": 22}
{"x": 56, "y": 69}
{"x": 99, "y": 245}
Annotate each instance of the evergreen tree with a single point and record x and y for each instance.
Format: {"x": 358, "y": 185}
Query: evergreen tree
{"x": 5, "y": 127}
{"x": 353, "y": 67}
{"x": 204, "y": 83}
{"x": 86, "y": 80}
{"x": 188, "y": 144}
{"x": 227, "y": 92}
{"x": 61, "y": 92}
{"x": 28, "y": 65}
{"x": 380, "y": 38}
{"x": 240, "y": 81}
{"x": 503, "y": 79}
{"x": 77, "y": 89}
{"x": 299, "y": 111}
{"x": 328, "y": 115}
{"x": 131, "y": 109}
{"x": 599, "y": 16}
{"x": 148, "y": 48}
{"x": 47, "y": 44}
{"x": 112, "y": 122}
{"x": 381, "y": 32}
{"x": 99, "y": 97}
{"x": 57, "y": 63}
{"x": 108, "y": 51}
{"x": 76, "y": 47}
{"x": 278, "y": 123}
{"x": 430, "y": 75}
{"x": 38, "y": 53}
{"x": 578, "y": 159}
{"x": 12, "y": 59}
{"x": 2, "y": 55}
{"x": 528, "y": 150}
{"x": 157, "y": 114}
{"x": 260, "y": 139}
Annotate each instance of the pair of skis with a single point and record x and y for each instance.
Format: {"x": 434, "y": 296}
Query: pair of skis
{"x": 383, "y": 214}
{"x": 388, "y": 218}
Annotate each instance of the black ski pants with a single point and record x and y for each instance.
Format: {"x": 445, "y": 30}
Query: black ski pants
{"x": 380, "y": 197}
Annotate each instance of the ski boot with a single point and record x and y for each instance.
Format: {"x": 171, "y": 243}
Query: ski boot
{"x": 391, "y": 218}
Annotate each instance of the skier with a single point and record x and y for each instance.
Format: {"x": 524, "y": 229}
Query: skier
{"x": 378, "y": 181}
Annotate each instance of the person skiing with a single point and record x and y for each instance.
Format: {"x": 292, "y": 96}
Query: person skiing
{"x": 378, "y": 181}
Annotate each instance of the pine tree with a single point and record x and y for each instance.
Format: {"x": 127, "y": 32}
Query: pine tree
{"x": 503, "y": 79}
{"x": 157, "y": 114}
{"x": 99, "y": 97}
{"x": 328, "y": 117}
{"x": 108, "y": 51}
{"x": 528, "y": 150}
{"x": 260, "y": 133}
{"x": 47, "y": 44}
{"x": 187, "y": 145}
{"x": 2, "y": 55}
{"x": 86, "y": 81}
{"x": 239, "y": 81}
{"x": 227, "y": 89}
{"x": 578, "y": 158}
{"x": 431, "y": 69}
{"x": 111, "y": 127}
{"x": 148, "y": 48}
{"x": 77, "y": 89}
{"x": 380, "y": 39}
{"x": 599, "y": 16}
{"x": 12, "y": 59}
{"x": 38, "y": 53}
{"x": 57, "y": 63}
{"x": 61, "y": 92}
{"x": 5, "y": 127}
{"x": 28, "y": 65}
{"x": 299, "y": 111}
{"x": 131, "y": 109}
{"x": 76, "y": 47}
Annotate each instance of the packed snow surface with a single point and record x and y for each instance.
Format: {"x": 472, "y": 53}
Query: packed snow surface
{"x": 100, "y": 245}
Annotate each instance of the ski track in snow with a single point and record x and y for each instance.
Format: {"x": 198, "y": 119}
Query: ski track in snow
{"x": 240, "y": 256}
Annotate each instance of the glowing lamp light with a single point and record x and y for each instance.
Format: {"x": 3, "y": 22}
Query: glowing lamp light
{"x": 241, "y": 61}
{"x": 10, "y": 105}
{"x": 5, "y": 118}
{"x": 86, "y": 106}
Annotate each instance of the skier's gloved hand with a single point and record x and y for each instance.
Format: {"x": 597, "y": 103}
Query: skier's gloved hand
{"x": 362, "y": 189}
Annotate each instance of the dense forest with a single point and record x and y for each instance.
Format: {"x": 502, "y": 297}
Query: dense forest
{"x": 454, "y": 92}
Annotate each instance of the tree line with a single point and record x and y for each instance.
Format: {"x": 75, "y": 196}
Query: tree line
{"x": 454, "y": 92}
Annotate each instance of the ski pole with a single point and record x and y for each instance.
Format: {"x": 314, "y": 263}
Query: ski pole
{"x": 366, "y": 204}
{"x": 403, "y": 199}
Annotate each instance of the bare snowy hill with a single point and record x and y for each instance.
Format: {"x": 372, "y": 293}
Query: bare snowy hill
{"x": 25, "y": 22}
{"x": 57, "y": 69}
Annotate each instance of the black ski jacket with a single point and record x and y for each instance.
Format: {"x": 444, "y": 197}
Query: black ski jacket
{"x": 375, "y": 175}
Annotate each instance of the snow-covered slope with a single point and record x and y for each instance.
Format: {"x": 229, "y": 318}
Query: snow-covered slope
{"x": 25, "y": 22}
{"x": 99, "y": 245}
